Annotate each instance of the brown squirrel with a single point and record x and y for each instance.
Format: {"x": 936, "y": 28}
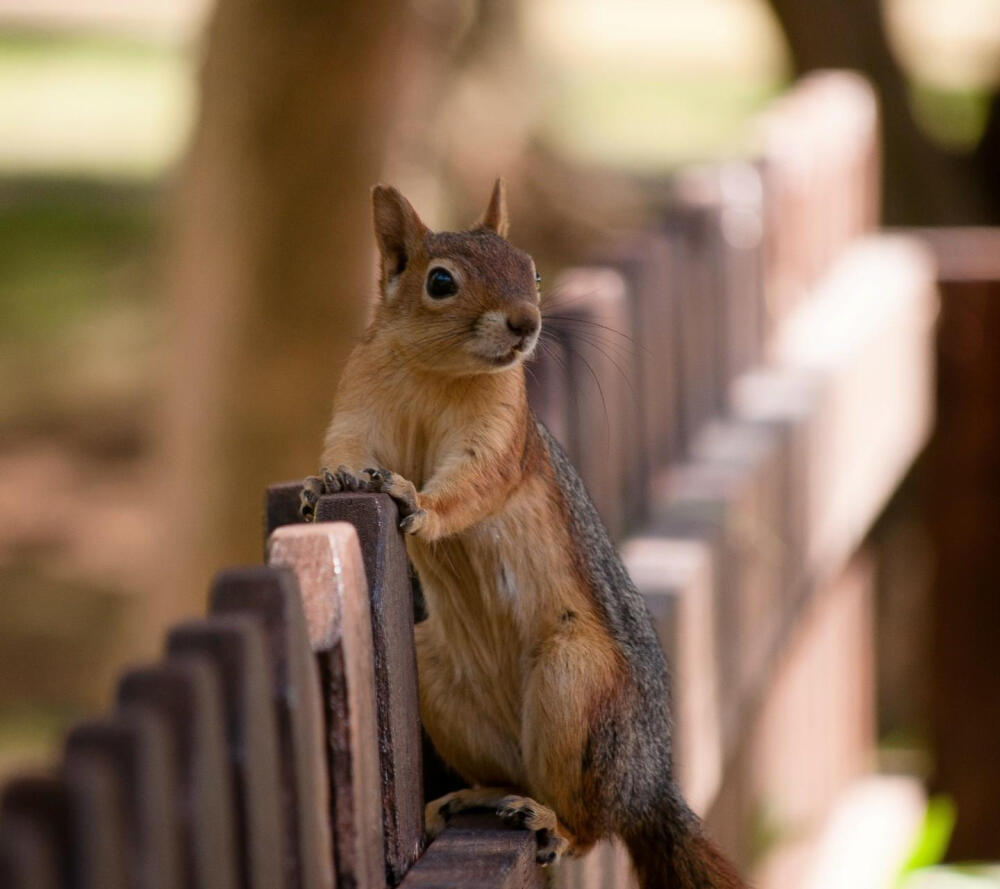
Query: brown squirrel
{"x": 542, "y": 682}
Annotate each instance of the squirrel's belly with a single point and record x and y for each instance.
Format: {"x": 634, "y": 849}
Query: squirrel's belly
{"x": 470, "y": 707}
{"x": 496, "y": 595}
{"x": 472, "y": 662}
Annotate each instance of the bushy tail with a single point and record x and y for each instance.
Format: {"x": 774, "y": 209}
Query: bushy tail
{"x": 670, "y": 850}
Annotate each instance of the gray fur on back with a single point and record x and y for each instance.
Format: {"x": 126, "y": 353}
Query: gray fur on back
{"x": 636, "y": 742}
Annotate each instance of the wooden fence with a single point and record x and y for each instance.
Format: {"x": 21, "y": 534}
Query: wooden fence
{"x": 742, "y": 387}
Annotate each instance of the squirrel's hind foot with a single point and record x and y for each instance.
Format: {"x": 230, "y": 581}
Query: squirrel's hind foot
{"x": 520, "y": 812}
{"x": 524, "y": 812}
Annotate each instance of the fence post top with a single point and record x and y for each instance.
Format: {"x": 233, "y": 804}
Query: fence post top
{"x": 326, "y": 558}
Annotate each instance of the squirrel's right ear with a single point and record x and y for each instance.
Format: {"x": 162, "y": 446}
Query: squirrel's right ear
{"x": 398, "y": 231}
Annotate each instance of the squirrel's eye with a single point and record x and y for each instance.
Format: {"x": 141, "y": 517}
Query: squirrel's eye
{"x": 538, "y": 280}
{"x": 440, "y": 283}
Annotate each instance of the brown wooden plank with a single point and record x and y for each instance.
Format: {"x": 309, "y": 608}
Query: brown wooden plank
{"x": 134, "y": 748}
{"x": 548, "y": 383}
{"x": 963, "y": 488}
{"x": 723, "y": 204}
{"x": 751, "y": 453}
{"x": 603, "y": 383}
{"x": 647, "y": 262}
{"x": 675, "y": 578}
{"x": 281, "y": 506}
{"x": 326, "y": 558}
{"x": 236, "y": 647}
{"x": 376, "y": 519}
{"x": 789, "y": 403}
{"x": 688, "y": 223}
{"x": 477, "y": 852}
{"x": 695, "y": 502}
{"x": 97, "y": 816}
{"x": 184, "y": 693}
{"x": 26, "y": 859}
{"x": 35, "y": 811}
{"x": 866, "y": 334}
{"x": 272, "y": 596}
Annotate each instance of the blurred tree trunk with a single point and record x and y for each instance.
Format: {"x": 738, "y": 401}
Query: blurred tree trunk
{"x": 269, "y": 267}
{"x": 924, "y": 184}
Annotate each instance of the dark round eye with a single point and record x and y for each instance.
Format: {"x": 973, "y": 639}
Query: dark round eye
{"x": 538, "y": 279}
{"x": 440, "y": 283}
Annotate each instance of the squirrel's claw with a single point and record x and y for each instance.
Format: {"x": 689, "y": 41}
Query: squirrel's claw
{"x": 402, "y": 491}
{"x": 414, "y": 522}
{"x": 327, "y": 482}
{"x": 551, "y": 847}
{"x": 526, "y": 814}
{"x": 312, "y": 489}
{"x": 348, "y": 481}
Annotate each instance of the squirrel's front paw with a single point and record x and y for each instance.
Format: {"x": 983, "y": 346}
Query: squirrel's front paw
{"x": 401, "y": 490}
{"x": 315, "y": 486}
{"x": 416, "y": 523}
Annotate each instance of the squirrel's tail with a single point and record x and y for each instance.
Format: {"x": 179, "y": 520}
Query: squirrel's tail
{"x": 670, "y": 850}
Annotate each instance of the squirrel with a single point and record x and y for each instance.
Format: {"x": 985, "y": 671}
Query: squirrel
{"x": 542, "y": 682}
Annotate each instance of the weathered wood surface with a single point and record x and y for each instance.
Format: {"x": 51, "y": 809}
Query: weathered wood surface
{"x": 236, "y": 646}
{"x": 271, "y": 595}
{"x": 326, "y": 558}
{"x": 963, "y": 490}
{"x": 35, "y": 820}
{"x": 689, "y": 222}
{"x": 478, "y": 851}
{"x": 866, "y": 336}
{"x": 97, "y": 819}
{"x": 675, "y": 578}
{"x": 645, "y": 348}
{"x": 134, "y": 748}
{"x": 184, "y": 694}
{"x": 376, "y": 519}
{"x": 548, "y": 381}
{"x": 592, "y": 312}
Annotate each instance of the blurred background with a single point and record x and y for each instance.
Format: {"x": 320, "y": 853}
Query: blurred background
{"x": 185, "y": 260}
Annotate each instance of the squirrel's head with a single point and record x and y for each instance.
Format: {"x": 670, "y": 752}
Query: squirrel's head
{"x": 456, "y": 302}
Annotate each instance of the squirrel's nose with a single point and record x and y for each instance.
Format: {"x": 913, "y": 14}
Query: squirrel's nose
{"x": 522, "y": 325}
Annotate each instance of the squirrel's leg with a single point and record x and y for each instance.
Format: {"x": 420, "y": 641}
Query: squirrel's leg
{"x": 575, "y": 676}
{"x": 447, "y": 504}
{"x": 516, "y": 810}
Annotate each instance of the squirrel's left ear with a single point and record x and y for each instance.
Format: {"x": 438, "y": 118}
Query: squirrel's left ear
{"x": 495, "y": 217}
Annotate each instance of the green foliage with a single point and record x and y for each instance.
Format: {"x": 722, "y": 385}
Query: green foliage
{"x": 935, "y": 834}
{"x": 69, "y": 250}
{"x": 955, "y": 119}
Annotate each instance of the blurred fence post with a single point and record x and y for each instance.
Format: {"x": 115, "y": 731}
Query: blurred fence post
{"x": 964, "y": 514}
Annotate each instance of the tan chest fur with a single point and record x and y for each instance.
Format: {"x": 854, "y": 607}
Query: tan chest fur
{"x": 501, "y": 592}
{"x": 496, "y": 594}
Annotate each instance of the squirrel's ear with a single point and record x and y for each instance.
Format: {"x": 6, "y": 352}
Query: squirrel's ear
{"x": 398, "y": 230}
{"x": 495, "y": 217}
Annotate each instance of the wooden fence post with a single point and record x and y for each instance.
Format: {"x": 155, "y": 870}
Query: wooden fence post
{"x": 34, "y": 818}
{"x": 236, "y": 647}
{"x": 184, "y": 692}
{"x": 97, "y": 821}
{"x": 604, "y": 398}
{"x": 135, "y": 749}
{"x": 376, "y": 519}
{"x": 327, "y": 562}
{"x": 271, "y": 595}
